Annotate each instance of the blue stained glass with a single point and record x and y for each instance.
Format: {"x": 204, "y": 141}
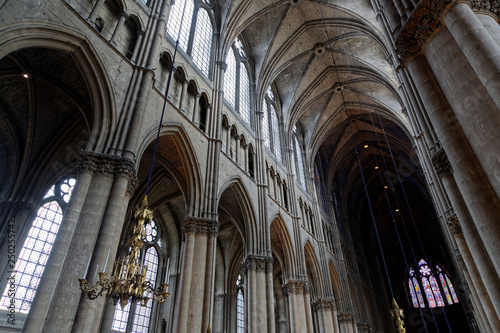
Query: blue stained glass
{"x": 428, "y": 292}
{"x": 445, "y": 288}
{"x": 436, "y": 291}
{"x": 419, "y": 293}
{"x": 413, "y": 295}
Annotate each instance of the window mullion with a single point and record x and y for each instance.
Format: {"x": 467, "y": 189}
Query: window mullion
{"x": 192, "y": 29}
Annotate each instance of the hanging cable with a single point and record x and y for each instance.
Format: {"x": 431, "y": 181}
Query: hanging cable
{"x": 165, "y": 100}
{"x": 399, "y": 179}
{"x": 357, "y": 155}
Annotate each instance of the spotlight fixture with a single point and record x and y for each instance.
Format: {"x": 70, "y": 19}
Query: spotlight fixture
{"x": 376, "y": 168}
{"x": 365, "y": 146}
{"x": 386, "y": 186}
{"x": 26, "y": 76}
{"x": 397, "y": 209}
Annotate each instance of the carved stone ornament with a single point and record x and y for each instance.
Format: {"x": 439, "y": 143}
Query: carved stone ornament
{"x": 296, "y": 287}
{"x": 423, "y": 22}
{"x": 454, "y": 226}
{"x": 486, "y": 6}
{"x": 26, "y": 206}
{"x": 199, "y": 226}
{"x": 323, "y": 304}
{"x": 110, "y": 165}
{"x": 345, "y": 317}
{"x": 441, "y": 163}
{"x": 258, "y": 263}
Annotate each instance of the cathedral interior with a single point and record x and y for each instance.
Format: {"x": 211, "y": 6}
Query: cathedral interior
{"x": 302, "y": 166}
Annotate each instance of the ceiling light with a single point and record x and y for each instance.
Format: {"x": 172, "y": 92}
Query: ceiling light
{"x": 365, "y": 146}
{"x": 385, "y": 186}
{"x": 25, "y": 75}
{"x": 376, "y": 167}
{"x": 397, "y": 209}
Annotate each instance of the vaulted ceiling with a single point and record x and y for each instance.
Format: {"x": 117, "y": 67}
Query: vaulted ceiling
{"x": 329, "y": 65}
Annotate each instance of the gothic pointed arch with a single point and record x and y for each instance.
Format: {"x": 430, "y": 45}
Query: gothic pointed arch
{"x": 313, "y": 268}
{"x": 103, "y": 112}
{"x": 282, "y": 246}
{"x": 175, "y": 147}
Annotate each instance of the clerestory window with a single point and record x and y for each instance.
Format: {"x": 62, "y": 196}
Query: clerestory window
{"x": 191, "y": 22}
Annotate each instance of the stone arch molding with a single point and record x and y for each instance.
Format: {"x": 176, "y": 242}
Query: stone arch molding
{"x": 250, "y": 220}
{"x": 29, "y": 35}
{"x": 192, "y": 185}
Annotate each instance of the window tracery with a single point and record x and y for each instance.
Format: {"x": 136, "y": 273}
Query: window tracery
{"x": 237, "y": 81}
{"x": 433, "y": 290}
{"x": 36, "y": 250}
{"x": 193, "y": 26}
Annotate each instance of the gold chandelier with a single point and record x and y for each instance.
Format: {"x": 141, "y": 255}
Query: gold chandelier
{"x": 127, "y": 283}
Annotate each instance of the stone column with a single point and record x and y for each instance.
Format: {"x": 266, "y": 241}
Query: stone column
{"x": 89, "y": 313}
{"x": 46, "y": 288}
{"x": 479, "y": 196}
{"x": 475, "y": 257}
{"x": 237, "y": 138}
{"x": 245, "y": 157}
{"x": 67, "y": 294}
{"x": 194, "y": 300}
{"x": 196, "y": 108}
{"x": 297, "y": 293}
{"x": 325, "y": 309}
{"x": 345, "y": 321}
{"x": 135, "y": 53}
{"x": 119, "y": 26}
{"x": 182, "y": 100}
{"x": 260, "y": 314}
{"x": 477, "y": 45}
{"x": 96, "y": 10}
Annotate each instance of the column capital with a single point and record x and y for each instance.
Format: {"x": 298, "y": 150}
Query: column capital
{"x": 344, "y": 317}
{"x": 258, "y": 263}
{"x": 110, "y": 165}
{"x": 17, "y": 205}
{"x": 296, "y": 287}
{"x": 200, "y": 226}
{"x": 454, "y": 225}
{"x": 441, "y": 163}
{"x": 324, "y": 304}
{"x": 422, "y": 24}
{"x": 489, "y": 6}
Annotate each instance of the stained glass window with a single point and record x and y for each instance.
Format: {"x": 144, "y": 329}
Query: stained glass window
{"x": 318, "y": 185}
{"x": 265, "y": 125}
{"x": 428, "y": 292}
{"x": 302, "y": 177}
{"x": 419, "y": 293}
{"x": 445, "y": 288}
{"x": 452, "y": 290}
{"x": 244, "y": 94}
{"x": 197, "y": 44}
{"x": 413, "y": 295}
{"x": 177, "y": 17}
{"x": 230, "y": 79}
{"x": 202, "y": 43}
{"x": 435, "y": 291}
{"x": 35, "y": 252}
{"x": 141, "y": 314}
{"x": 434, "y": 285}
{"x": 240, "y": 307}
{"x": 276, "y": 133}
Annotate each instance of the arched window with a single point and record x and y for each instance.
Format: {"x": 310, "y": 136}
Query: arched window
{"x": 194, "y": 23}
{"x": 426, "y": 278}
{"x": 237, "y": 81}
{"x": 270, "y": 125}
{"x": 230, "y": 79}
{"x": 33, "y": 257}
{"x": 319, "y": 187}
{"x": 297, "y": 160}
{"x": 240, "y": 306}
{"x": 134, "y": 317}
